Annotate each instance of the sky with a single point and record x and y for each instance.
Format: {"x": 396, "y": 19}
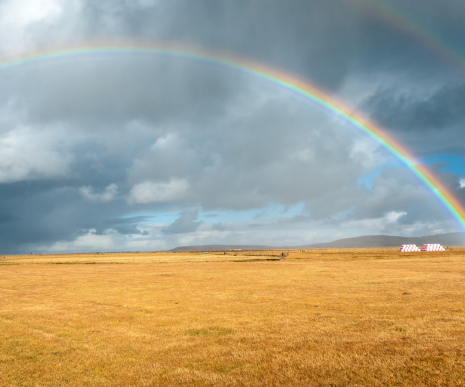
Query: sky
{"x": 146, "y": 153}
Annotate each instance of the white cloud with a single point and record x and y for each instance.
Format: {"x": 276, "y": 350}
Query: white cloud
{"x": 29, "y": 25}
{"x": 17, "y": 17}
{"x": 27, "y": 154}
{"x": 372, "y": 226}
{"x": 394, "y": 216}
{"x": 29, "y": 11}
{"x": 462, "y": 183}
{"x": 149, "y": 191}
{"x": 367, "y": 152}
{"x": 89, "y": 242}
{"x": 110, "y": 193}
{"x": 165, "y": 142}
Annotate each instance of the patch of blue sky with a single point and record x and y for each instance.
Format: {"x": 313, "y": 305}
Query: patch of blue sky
{"x": 224, "y": 216}
{"x": 227, "y": 216}
{"x": 367, "y": 179}
{"x": 153, "y": 217}
{"x": 455, "y": 163}
{"x": 342, "y": 214}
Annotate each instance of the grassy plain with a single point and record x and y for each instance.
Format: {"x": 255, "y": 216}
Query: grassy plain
{"x": 370, "y": 317}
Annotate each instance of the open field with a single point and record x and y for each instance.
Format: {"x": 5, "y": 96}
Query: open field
{"x": 361, "y": 317}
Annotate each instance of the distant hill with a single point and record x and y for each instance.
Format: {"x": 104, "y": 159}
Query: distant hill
{"x": 451, "y": 239}
{"x": 222, "y": 247}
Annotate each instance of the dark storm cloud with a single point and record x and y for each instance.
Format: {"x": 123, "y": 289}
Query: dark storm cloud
{"x": 435, "y": 120}
{"x": 87, "y": 145}
{"x": 322, "y": 41}
{"x": 274, "y": 31}
{"x": 43, "y": 212}
{"x": 108, "y": 93}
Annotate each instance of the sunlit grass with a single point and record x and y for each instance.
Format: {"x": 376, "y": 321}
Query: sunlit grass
{"x": 353, "y": 317}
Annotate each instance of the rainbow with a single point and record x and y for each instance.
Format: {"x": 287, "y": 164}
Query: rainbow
{"x": 291, "y": 83}
{"x": 428, "y": 37}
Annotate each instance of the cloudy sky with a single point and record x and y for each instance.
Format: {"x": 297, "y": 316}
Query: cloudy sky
{"x": 130, "y": 152}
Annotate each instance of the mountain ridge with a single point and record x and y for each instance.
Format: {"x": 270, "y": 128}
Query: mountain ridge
{"x": 449, "y": 239}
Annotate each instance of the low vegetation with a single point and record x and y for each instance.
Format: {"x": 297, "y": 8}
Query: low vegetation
{"x": 361, "y": 317}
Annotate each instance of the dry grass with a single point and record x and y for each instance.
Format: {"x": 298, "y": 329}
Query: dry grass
{"x": 322, "y": 318}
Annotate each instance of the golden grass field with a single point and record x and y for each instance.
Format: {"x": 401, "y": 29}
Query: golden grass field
{"x": 371, "y": 317}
